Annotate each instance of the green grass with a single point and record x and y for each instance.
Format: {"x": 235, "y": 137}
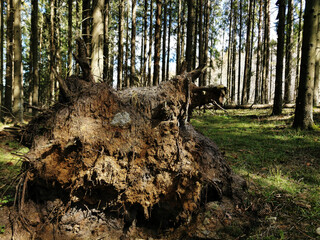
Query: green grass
{"x": 281, "y": 165}
{"x": 10, "y": 165}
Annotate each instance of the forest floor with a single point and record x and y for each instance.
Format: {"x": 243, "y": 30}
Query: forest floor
{"x": 281, "y": 166}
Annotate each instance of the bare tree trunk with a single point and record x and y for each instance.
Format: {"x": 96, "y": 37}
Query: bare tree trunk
{"x": 9, "y": 59}
{"x": 200, "y": 28}
{"x": 317, "y": 65}
{"x": 157, "y": 45}
{"x": 164, "y": 40}
{"x": 34, "y": 54}
{"x": 106, "y": 44}
{"x": 97, "y": 40}
{"x": 304, "y": 105}
{"x": 120, "y": 46}
{"x": 240, "y": 52}
{"x": 299, "y": 48}
{"x": 206, "y": 39}
{"x": 133, "y": 45}
{"x": 266, "y": 55}
{"x": 1, "y": 56}
{"x": 257, "y": 87}
{"x": 70, "y": 37}
{"x": 246, "y": 74}
{"x": 190, "y": 35}
{"x": 86, "y": 26}
{"x": 52, "y": 51}
{"x": 178, "y": 50}
{"x": 150, "y": 44}
{"x": 17, "y": 108}
{"x": 126, "y": 80}
{"x": 288, "y": 98}
{"x": 229, "y": 68}
{"x": 277, "y": 105}
{"x": 145, "y": 17}
{"x": 234, "y": 54}
{"x": 169, "y": 38}
{"x": 251, "y": 51}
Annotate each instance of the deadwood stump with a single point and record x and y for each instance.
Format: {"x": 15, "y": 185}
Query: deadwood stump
{"x": 106, "y": 164}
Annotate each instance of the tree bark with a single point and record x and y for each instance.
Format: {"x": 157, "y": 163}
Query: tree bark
{"x": 133, "y": 46}
{"x": 164, "y": 40}
{"x": 120, "y": 46}
{"x": 157, "y": 45}
{"x": 34, "y": 55}
{"x": 190, "y": 35}
{"x": 9, "y": 60}
{"x": 240, "y": 52}
{"x": 257, "y": 87}
{"x": 266, "y": 55}
{"x": 150, "y": 83}
{"x": 178, "y": 49}
{"x": 317, "y": 66}
{"x": 169, "y": 39}
{"x": 304, "y": 104}
{"x": 70, "y": 70}
{"x": 246, "y": 74}
{"x": 86, "y": 23}
{"x": 288, "y": 97}
{"x": 298, "y": 49}
{"x": 97, "y": 40}
{"x": 277, "y": 104}
{"x": 106, "y": 44}
{"x": 17, "y": 108}
{"x": 1, "y": 56}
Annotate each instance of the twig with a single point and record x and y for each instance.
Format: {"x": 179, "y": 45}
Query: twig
{"x": 214, "y": 101}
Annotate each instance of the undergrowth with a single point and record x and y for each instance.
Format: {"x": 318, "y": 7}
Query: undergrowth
{"x": 280, "y": 164}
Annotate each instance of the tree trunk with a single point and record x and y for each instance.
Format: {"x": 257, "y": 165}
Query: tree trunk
{"x": 240, "y": 52}
{"x": 299, "y": 48}
{"x": 178, "y": 50}
{"x": 145, "y": 20}
{"x": 70, "y": 70}
{"x": 133, "y": 46}
{"x": 169, "y": 38}
{"x": 126, "y": 80}
{"x": 190, "y": 35}
{"x": 86, "y": 26}
{"x": 120, "y": 46}
{"x": 1, "y": 56}
{"x": 317, "y": 66}
{"x": 288, "y": 97}
{"x": 246, "y": 74}
{"x": 251, "y": 51}
{"x": 201, "y": 49}
{"x": 106, "y": 44}
{"x": 257, "y": 87}
{"x": 206, "y": 39}
{"x": 164, "y": 40}
{"x": 157, "y": 45}
{"x": 234, "y": 54}
{"x": 17, "y": 108}
{"x": 34, "y": 55}
{"x": 266, "y": 55}
{"x": 97, "y": 40}
{"x": 150, "y": 83}
{"x": 277, "y": 104}
{"x": 9, "y": 60}
{"x": 304, "y": 104}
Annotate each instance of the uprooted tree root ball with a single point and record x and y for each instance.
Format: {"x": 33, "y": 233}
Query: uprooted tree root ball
{"x": 107, "y": 164}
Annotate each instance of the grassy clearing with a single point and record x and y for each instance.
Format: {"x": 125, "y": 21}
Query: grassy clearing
{"x": 10, "y": 164}
{"x": 281, "y": 165}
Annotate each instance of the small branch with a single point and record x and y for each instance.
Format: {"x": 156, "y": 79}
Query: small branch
{"x": 65, "y": 90}
{"x": 215, "y": 103}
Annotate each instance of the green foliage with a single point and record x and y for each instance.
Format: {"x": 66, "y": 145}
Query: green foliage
{"x": 280, "y": 164}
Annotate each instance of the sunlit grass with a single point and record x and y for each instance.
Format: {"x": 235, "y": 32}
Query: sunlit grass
{"x": 281, "y": 163}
